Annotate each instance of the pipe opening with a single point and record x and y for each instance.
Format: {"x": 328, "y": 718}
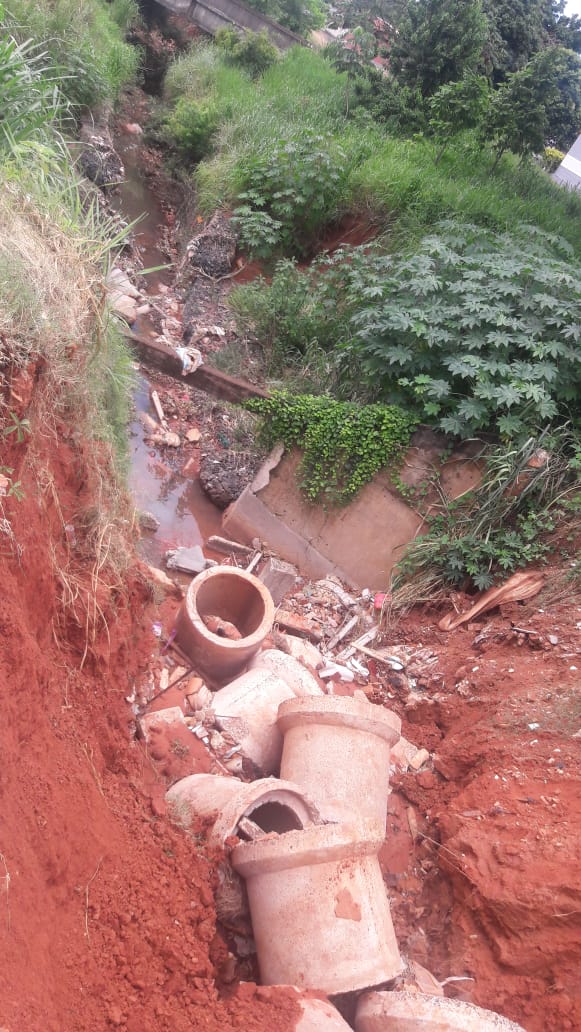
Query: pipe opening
{"x": 233, "y": 600}
{"x": 275, "y": 817}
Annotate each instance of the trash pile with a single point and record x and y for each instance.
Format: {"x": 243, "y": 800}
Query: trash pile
{"x": 297, "y": 796}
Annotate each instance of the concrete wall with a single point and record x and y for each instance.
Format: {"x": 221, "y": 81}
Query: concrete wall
{"x": 361, "y": 542}
{"x": 220, "y": 14}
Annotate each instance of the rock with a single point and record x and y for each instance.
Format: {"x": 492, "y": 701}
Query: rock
{"x": 279, "y": 578}
{"x": 421, "y": 757}
{"x": 189, "y": 560}
{"x": 224, "y": 479}
{"x": 402, "y": 753}
{"x": 133, "y": 128}
{"x": 193, "y": 435}
{"x": 161, "y": 578}
{"x": 171, "y": 439}
{"x": 213, "y": 249}
{"x": 101, "y": 163}
{"x": 149, "y": 721}
{"x": 124, "y": 306}
{"x": 118, "y": 282}
{"x": 147, "y": 521}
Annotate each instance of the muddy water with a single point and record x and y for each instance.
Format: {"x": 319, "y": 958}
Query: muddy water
{"x": 185, "y": 514}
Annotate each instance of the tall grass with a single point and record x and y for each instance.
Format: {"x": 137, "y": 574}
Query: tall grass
{"x": 401, "y": 180}
{"x": 84, "y": 41}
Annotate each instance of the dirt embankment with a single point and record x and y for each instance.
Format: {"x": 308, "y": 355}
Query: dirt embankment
{"x": 106, "y": 913}
{"x": 499, "y": 900}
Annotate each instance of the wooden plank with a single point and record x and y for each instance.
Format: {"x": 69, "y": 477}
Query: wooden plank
{"x": 205, "y": 377}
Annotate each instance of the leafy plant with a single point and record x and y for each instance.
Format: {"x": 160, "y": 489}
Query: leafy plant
{"x": 19, "y": 427}
{"x": 502, "y": 525}
{"x": 252, "y": 51}
{"x": 191, "y": 126}
{"x": 297, "y": 185}
{"x": 30, "y": 100}
{"x": 456, "y": 106}
{"x": 344, "y": 444}
{"x": 475, "y": 331}
{"x": 551, "y": 158}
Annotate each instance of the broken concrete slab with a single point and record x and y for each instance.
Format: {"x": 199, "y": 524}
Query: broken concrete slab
{"x": 248, "y": 517}
{"x": 149, "y": 721}
{"x": 188, "y": 560}
{"x": 416, "y": 1012}
{"x": 279, "y": 577}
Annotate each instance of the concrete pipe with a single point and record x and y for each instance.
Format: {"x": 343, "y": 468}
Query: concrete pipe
{"x": 320, "y": 913}
{"x": 231, "y": 602}
{"x": 413, "y": 1012}
{"x": 272, "y": 805}
{"x": 288, "y": 669}
{"x": 247, "y": 709}
{"x": 337, "y": 749}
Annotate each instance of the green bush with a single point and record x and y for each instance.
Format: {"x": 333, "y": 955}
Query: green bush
{"x": 252, "y": 51}
{"x": 191, "y": 126}
{"x": 344, "y": 444}
{"x": 474, "y": 330}
{"x": 298, "y": 187}
{"x": 30, "y": 100}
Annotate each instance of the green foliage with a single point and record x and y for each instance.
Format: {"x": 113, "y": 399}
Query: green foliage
{"x": 457, "y": 106}
{"x": 191, "y": 126}
{"x": 295, "y": 309}
{"x": 542, "y": 102}
{"x": 344, "y": 444}
{"x": 552, "y": 158}
{"x": 399, "y": 109}
{"x": 399, "y": 183}
{"x": 502, "y": 525}
{"x": 252, "y": 51}
{"x": 300, "y": 16}
{"x": 83, "y": 41}
{"x": 473, "y": 330}
{"x": 438, "y": 40}
{"x": 30, "y": 100}
{"x": 295, "y": 190}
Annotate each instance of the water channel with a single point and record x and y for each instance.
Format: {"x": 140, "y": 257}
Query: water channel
{"x": 186, "y": 516}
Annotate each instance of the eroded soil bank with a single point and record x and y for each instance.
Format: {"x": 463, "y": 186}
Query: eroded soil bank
{"x": 107, "y": 914}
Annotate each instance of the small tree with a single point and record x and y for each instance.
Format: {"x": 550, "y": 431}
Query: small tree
{"x": 438, "y": 41}
{"x": 252, "y": 51}
{"x": 457, "y": 106}
{"x": 558, "y": 76}
{"x": 517, "y": 118}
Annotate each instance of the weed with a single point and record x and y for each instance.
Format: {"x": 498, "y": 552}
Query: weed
{"x": 344, "y": 444}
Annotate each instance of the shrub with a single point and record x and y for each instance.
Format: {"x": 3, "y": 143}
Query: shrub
{"x": 298, "y": 187}
{"x": 191, "y": 126}
{"x": 476, "y": 330}
{"x": 344, "y": 444}
{"x": 551, "y": 158}
{"x": 252, "y": 51}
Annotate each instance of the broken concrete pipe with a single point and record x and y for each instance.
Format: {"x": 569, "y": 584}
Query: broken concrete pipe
{"x": 337, "y": 749}
{"x": 264, "y": 806}
{"x": 247, "y": 710}
{"x": 298, "y": 678}
{"x": 233, "y": 602}
{"x": 320, "y": 1016}
{"x": 320, "y": 913}
{"x": 414, "y": 1012}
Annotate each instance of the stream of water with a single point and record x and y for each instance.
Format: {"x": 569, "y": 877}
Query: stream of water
{"x": 186, "y": 516}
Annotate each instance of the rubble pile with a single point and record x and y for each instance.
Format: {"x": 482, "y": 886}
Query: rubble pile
{"x": 299, "y": 762}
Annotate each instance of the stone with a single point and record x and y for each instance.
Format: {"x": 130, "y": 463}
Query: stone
{"x": 193, "y": 435}
{"x": 171, "y": 439}
{"x": 402, "y": 754}
{"x": 147, "y": 521}
{"x": 279, "y": 577}
{"x": 124, "y": 306}
{"x": 171, "y": 715}
{"x": 188, "y": 560}
{"x": 421, "y": 757}
{"x": 163, "y": 581}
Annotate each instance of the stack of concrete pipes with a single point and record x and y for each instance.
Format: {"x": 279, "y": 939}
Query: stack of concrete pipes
{"x": 320, "y": 912}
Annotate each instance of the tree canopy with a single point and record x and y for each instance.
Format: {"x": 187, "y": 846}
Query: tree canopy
{"x": 438, "y": 41}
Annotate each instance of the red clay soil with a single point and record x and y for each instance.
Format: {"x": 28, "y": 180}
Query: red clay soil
{"x": 490, "y": 887}
{"x": 107, "y": 916}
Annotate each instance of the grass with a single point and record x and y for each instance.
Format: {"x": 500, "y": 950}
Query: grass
{"x": 84, "y": 42}
{"x": 401, "y": 181}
